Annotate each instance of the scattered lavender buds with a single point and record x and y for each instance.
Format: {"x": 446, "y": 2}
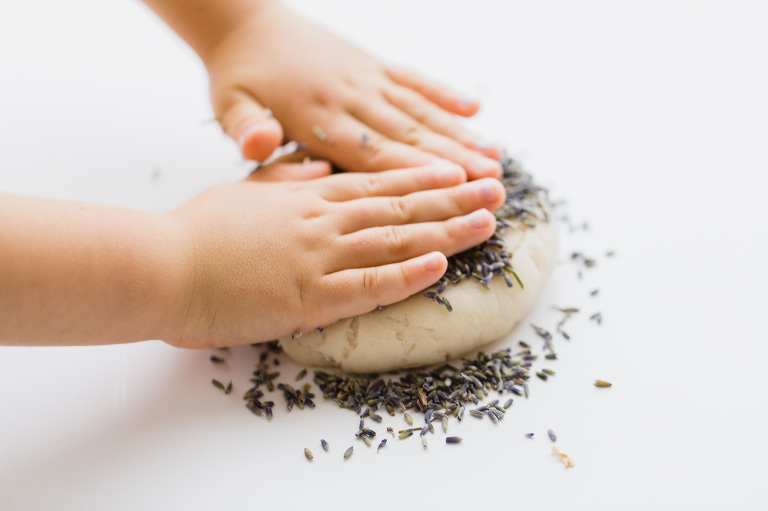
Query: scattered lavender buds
{"x": 545, "y": 335}
{"x": 404, "y": 433}
{"x": 226, "y": 389}
{"x": 446, "y": 388}
{"x": 568, "y": 313}
{"x": 447, "y": 391}
{"x": 552, "y": 435}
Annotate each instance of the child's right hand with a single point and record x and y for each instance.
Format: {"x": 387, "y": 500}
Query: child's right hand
{"x": 270, "y": 257}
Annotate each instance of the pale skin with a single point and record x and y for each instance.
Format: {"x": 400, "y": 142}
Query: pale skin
{"x": 287, "y": 250}
{"x": 343, "y": 104}
{"x": 243, "y": 262}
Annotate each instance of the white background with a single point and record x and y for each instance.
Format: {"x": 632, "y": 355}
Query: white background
{"x": 648, "y": 118}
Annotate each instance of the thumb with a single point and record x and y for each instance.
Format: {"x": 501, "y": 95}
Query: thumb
{"x": 252, "y": 126}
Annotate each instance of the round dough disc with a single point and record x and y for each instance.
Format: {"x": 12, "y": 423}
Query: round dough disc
{"x": 418, "y": 331}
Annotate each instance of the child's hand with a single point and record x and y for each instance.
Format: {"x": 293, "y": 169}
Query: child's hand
{"x": 272, "y": 257}
{"x": 343, "y": 104}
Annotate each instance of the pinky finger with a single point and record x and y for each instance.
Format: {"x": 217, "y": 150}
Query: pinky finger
{"x": 365, "y": 289}
{"x": 442, "y": 96}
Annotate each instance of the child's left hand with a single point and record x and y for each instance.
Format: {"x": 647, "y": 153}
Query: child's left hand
{"x": 343, "y": 104}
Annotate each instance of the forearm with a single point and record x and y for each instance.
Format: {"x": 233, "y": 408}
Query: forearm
{"x": 204, "y": 23}
{"x": 73, "y": 273}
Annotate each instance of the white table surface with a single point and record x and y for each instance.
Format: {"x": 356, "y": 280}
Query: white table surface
{"x": 648, "y": 118}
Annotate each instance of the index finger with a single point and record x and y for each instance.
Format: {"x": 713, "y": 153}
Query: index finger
{"x": 391, "y": 183}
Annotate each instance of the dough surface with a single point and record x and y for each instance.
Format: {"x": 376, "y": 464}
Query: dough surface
{"x": 420, "y": 331}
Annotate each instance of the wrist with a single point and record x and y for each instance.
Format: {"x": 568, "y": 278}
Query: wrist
{"x": 205, "y": 24}
{"x": 174, "y": 266}
{"x": 246, "y": 21}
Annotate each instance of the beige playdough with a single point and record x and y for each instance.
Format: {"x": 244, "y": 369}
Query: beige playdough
{"x": 419, "y": 330}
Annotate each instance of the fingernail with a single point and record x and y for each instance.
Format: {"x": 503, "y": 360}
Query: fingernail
{"x": 467, "y": 101}
{"x": 487, "y": 190}
{"x": 485, "y": 167}
{"x": 432, "y": 261}
{"x": 483, "y": 146}
{"x": 478, "y": 219}
{"x": 250, "y": 129}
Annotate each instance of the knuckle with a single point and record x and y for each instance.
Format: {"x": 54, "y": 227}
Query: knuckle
{"x": 413, "y": 134}
{"x": 373, "y": 185}
{"x": 401, "y": 208}
{"x": 397, "y": 239}
{"x": 455, "y": 232}
{"x": 307, "y": 307}
{"x": 395, "y": 73}
{"x": 374, "y": 151}
{"x": 456, "y": 201}
{"x": 406, "y": 278}
{"x": 228, "y": 123}
{"x": 421, "y": 115}
{"x": 233, "y": 117}
{"x": 371, "y": 281}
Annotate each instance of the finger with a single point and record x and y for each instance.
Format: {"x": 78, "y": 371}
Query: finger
{"x": 292, "y": 171}
{"x": 425, "y": 206}
{"x": 356, "y": 185}
{"x": 441, "y": 95}
{"x": 357, "y": 147}
{"x": 397, "y": 125}
{"x": 384, "y": 245}
{"x": 362, "y": 290}
{"x": 438, "y": 120}
{"x": 251, "y": 125}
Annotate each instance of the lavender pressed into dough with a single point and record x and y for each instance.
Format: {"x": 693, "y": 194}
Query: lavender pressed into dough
{"x": 418, "y": 330}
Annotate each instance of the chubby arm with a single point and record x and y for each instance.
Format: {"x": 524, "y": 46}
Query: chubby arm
{"x": 287, "y": 250}
{"x": 203, "y": 24}
{"x": 343, "y": 104}
{"x": 73, "y": 273}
